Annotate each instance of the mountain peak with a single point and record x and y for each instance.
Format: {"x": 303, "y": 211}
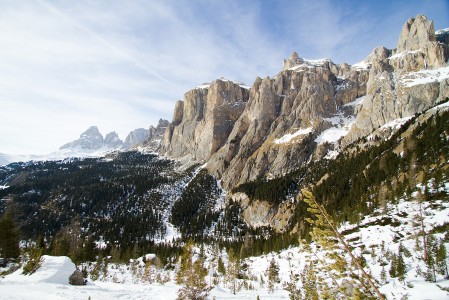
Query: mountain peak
{"x": 91, "y": 132}
{"x": 416, "y": 34}
{"x": 137, "y": 136}
{"x": 292, "y": 60}
{"x": 91, "y": 139}
{"x": 112, "y": 140}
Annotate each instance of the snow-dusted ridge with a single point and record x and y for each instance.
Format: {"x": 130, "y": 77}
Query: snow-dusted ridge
{"x": 310, "y": 63}
{"x": 206, "y": 85}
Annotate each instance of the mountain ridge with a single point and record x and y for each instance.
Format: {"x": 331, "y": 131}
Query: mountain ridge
{"x": 335, "y": 104}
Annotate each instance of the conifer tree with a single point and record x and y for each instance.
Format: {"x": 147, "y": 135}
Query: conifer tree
{"x": 34, "y": 260}
{"x": 440, "y": 257}
{"x": 221, "y": 266}
{"x": 291, "y": 286}
{"x": 309, "y": 283}
{"x": 233, "y": 270}
{"x": 9, "y": 238}
{"x": 431, "y": 263}
{"x": 186, "y": 263}
{"x": 325, "y": 233}
{"x": 272, "y": 275}
{"x": 147, "y": 273}
{"x": 392, "y": 271}
{"x": 195, "y": 286}
{"x": 401, "y": 267}
{"x": 383, "y": 275}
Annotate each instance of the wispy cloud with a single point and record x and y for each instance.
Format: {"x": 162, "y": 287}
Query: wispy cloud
{"x": 121, "y": 65}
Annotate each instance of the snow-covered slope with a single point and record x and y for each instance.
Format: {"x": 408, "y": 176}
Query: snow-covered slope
{"x": 377, "y": 237}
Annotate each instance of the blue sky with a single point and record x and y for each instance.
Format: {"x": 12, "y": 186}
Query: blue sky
{"x": 121, "y": 65}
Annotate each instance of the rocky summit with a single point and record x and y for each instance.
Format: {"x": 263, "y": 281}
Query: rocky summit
{"x": 310, "y": 110}
{"x": 91, "y": 139}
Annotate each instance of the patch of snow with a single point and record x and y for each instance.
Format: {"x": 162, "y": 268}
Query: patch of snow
{"x": 332, "y": 154}
{"x": 310, "y": 63}
{"x": 441, "y": 106}
{"x": 441, "y": 31}
{"x": 396, "y": 124}
{"x": 401, "y": 54}
{"x": 356, "y": 102}
{"x": 342, "y": 125}
{"x": 203, "y": 86}
{"x": 363, "y": 65}
{"x": 2, "y": 187}
{"x": 342, "y": 86}
{"x": 239, "y": 83}
{"x": 425, "y": 76}
{"x": 75, "y": 152}
{"x": 289, "y": 136}
{"x": 331, "y": 135}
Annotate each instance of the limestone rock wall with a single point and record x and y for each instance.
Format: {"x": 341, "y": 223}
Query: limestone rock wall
{"x": 277, "y": 125}
{"x": 405, "y": 80}
{"x": 202, "y": 122}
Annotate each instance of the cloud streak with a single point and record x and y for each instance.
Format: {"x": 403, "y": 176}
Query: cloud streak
{"x": 121, "y": 65}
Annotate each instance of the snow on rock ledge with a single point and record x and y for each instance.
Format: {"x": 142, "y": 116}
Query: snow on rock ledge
{"x": 288, "y": 137}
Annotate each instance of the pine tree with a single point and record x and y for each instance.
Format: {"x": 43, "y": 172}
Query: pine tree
{"x": 326, "y": 234}
{"x": 291, "y": 286}
{"x": 393, "y": 271}
{"x": 34, "y": 260}
{"x": 147, "y": 273}
{"x": 309, "y": 283}
{"x": 185, "y": 264}
{"x": 431, "y": 264}
{"x": 272, "y": 275}
{"x": 383, "y": 275}
{"x": 221, "y": 266}
{"x": 440, "y": 258}
{"x": 400, "y": 267}
{"x": 9, "y": 241}
{"x": 233, "y": 270}
{"x": 195, "y": 286}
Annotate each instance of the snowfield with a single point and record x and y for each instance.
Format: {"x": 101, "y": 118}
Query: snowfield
{"x": 377, "y": 235}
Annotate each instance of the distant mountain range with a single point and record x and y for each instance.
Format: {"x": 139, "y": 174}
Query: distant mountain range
{"x": 92, "y": 144}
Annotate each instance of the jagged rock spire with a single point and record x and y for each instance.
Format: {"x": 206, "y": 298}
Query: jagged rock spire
{"x": 416, "y": 34}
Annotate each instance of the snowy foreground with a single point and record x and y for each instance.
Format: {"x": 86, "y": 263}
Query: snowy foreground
{"x": 51, "y": 282}
{"x": 373, "y": 234}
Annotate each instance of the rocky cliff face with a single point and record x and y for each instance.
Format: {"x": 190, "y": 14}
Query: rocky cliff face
{"x": 405, "y": 80}
{"x": 203, "y": 121}
{"x": 284, "y": 116}
{"x": 311, "y": 109}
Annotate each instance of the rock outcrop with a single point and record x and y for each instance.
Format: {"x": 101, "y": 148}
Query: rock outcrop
{"x": 262, "y": 213}
{"x": 155, "y": 135}
{"x": 203, "y": 121}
